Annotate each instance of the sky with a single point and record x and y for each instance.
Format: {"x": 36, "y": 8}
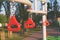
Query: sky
{"x": 57, "y": 1}
{"x": 38, "y": 6}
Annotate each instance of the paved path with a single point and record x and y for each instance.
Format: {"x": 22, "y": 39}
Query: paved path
{"x": 34, "y": 36}
{"x": 37, "y": 35}
{"x": 53, "y": 31}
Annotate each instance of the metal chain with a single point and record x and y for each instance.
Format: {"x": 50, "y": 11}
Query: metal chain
{"x": 12, "y": 13}
{"x": 13, "y": 9}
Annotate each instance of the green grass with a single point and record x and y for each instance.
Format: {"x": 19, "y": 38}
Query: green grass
{"x": 53, "y": 38}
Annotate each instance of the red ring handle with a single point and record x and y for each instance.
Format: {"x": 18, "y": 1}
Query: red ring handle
{"x": 29, "y": 24}
{"x": 13, "y": 21}
{"x": 46, "y": 23}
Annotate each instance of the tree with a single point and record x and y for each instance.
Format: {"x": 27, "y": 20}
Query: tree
{"x": 48, "y": 6}
{"x": 0, "y": 4}
{"x": 55, "y": 7}
{"x": 2, "y": 18}
{"x": 51, "y": 4}
{"x": 21, "y": 12}
{"x": 55, "y": 11}
{"x": 6, "y": 5}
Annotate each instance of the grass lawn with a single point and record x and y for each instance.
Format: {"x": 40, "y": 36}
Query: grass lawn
{"x": 53, "y": 38}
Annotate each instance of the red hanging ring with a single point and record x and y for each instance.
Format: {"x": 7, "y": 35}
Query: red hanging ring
{"x": 46, "y": 23}
{"x": 13, "y": 21}
{"x": 29, "y": 24}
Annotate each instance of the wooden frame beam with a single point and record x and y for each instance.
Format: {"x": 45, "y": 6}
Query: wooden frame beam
{"x": 43, "y": 0}
{"x": 36, "y": 11}
{"x": 27, "y": 2}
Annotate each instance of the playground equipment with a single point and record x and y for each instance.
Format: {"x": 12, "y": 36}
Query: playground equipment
{"x": 29, "y": 21}
{"x": 46, "y": 23}
{"x": 44, "y": 12}
{"x": 26, "y": 2}
{"x": 14, "y": 23}
{"x": 13, "y": 20}
{"x": 29, "y": 24}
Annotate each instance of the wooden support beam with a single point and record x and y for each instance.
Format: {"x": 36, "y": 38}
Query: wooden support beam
{"x": 44, "y": 17}
{"x": 2, "y": 35}
{"x": 27, "y": 2}
{"x": 10, "y": 34}
{"x": 43, "y": 0}
{"x": 35, "y": 11}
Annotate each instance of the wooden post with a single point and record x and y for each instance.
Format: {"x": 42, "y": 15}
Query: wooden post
{"x": 2, "y": 32}
{"x": 44, "y": 19}
{"x": 44, "y": 27}
{"x": 10, "y": 34}
{"x": 2, "y": 35}
{"x": 27, "y": 32}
